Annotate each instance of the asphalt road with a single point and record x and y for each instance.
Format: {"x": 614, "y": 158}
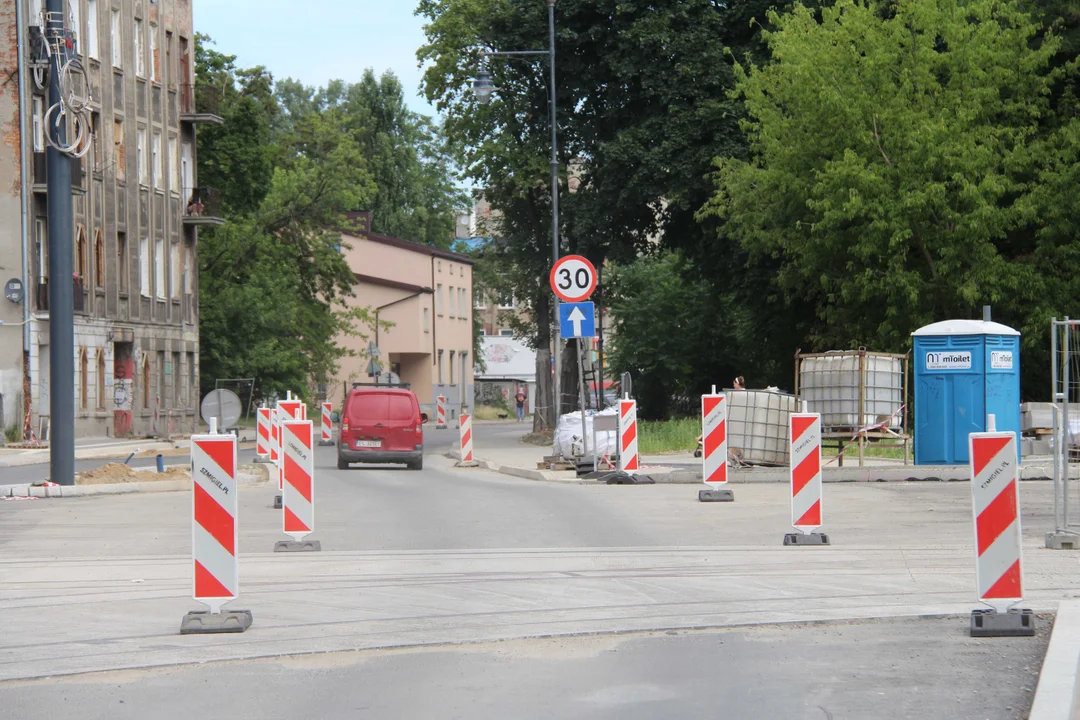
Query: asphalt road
{"x": 885, "y": 670}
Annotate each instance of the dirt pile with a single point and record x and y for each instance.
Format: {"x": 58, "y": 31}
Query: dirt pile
{"x": 115, "y": 473}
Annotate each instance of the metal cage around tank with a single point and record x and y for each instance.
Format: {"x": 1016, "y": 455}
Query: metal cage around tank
{"x": 861, "y": 396}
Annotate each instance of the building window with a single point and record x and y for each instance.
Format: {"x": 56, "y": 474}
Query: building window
{"x": 439, "y": 264}
{"x": 506, "y": 333}
{"x": 118, "y": 144}
{"x": 169, "y": 73}
{"x": 481, "y": 301}
{"x": 140, "y": 49}
{"x": 188, "y": 289}
{"x": 159, "y": 268}
{"x": 99, "y": 259}
{"x": 115, "y": 37}
{"x": 95, "y": 142}
{"x": 174, "y": 162}
{"x": 439, "y": 299}
{"x": 453, "y": 302}
{"x": 452, "y": 354}
{"x": 122, "y": 261}
{"x": 141, "y": 157}
{"x": 174, "y": 275}
{"x": 101, "y": 379}
{"x": 507, "y": 302}
{"x": 463, "y": 302}
{"x": 146, "y": 381}
{"x": 92, "y": 30}
{"x": 440, "y": 368}
{"x": 155, "y": 70}
{"x": 192, "y": 390}
{"x": 80, "y": 252}
{"x": 83, "y": 390}
{"x": 427, "y": 320}
{"x": 178, "y": 386}
{"x": 162, "y": 394}
{"x": 144, "y": 267}
{"x": 158, "y": 161}
{"x": 41, "y": 235}
{"x": 39, "y": 124}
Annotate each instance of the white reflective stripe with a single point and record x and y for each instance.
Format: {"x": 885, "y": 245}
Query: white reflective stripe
{"x": 998, "y": 558}
{"x": 218, "y": 561}
{"x": 997, "y": 475}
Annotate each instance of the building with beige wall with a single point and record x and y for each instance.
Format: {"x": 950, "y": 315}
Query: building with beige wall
{"x": 137, "y": 209}
{"x": 427, "y": 294}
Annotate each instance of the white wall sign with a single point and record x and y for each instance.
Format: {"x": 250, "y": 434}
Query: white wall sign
{"x": 1001, "y": 360}
{"x": 953, "y": 360}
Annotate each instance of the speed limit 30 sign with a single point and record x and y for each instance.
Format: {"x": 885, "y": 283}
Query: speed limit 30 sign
{"x": 573, "y": 278}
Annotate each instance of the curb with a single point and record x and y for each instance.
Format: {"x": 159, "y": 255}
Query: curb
{"x": 518, "y": 472}
{"x": 41, "y": 457}
{"x": 1057, "y": 696}
{"x": 74, "y": 491}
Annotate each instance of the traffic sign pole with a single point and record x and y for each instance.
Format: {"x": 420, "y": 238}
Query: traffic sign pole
{"x": 573, "y": 280}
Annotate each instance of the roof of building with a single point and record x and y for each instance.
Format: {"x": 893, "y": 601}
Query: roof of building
{"x": 965, "y": 327}
{"x": 408, "y": 287}
{"x": 361, "y": 222}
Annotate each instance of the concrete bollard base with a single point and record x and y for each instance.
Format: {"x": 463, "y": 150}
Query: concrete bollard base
{"x": 463, "y": 464}
{"x": 991, "y": 623}
{"x": 716, "y": 495}
{"x": 298, "y": 546}
{"x": 1062, "y": 541}
{"x": 806, "y": 539}
{"x": 277, "y": 502}
{"x": 203, "y": 622}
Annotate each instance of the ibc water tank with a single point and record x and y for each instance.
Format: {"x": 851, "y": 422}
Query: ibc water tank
{"x": 833, "y": 383}
{"x": 758, "y": 425}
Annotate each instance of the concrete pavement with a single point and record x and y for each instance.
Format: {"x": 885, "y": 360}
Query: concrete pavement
{"x": 885, "y": 670}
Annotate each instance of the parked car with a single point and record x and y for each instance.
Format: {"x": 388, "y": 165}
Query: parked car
{"x": 381, "y": 425}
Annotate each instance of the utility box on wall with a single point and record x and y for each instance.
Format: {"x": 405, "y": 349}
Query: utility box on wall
{"x": 965, "y": 370}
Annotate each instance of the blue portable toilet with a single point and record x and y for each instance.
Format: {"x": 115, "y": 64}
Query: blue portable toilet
{"x": 964, "y": 371}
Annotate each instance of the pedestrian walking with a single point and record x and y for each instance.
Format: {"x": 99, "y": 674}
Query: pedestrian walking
{"x": 519, "y": 400}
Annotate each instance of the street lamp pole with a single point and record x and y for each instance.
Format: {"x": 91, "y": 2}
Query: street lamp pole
{"x": 484, "y": 87}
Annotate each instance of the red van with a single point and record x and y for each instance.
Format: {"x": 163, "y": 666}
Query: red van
{"x": 381, "y": 425}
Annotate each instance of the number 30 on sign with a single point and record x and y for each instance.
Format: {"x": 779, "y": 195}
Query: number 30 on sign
{"x": 573, "y": 278}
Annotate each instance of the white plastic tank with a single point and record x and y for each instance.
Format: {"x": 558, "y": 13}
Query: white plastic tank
{"x": 830, "y": 385}
{"x": 758, "y": 423}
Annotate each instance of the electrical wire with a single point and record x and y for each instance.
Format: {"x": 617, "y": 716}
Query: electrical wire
{"x": 73, "y": 110}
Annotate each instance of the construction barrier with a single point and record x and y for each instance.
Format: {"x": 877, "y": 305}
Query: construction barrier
{"x": 996, "y": 510}
{"x": 805, "y": 434}
{"x": 298, "y": 494}
{"x": 327, "y": 435}
{"x": 714, "y": 439}
{"x": 214, "y": 526}
{"x": 262, "y": 435}
{"x": 628, "y": 437}
{"x": 440, "y": 413}
{"x": 466, "y": 439}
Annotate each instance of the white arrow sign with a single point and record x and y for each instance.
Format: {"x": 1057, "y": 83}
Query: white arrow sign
{"x": 576, "y": 318}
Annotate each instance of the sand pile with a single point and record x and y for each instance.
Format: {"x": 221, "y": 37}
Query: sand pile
{"x": 114, "y": 473}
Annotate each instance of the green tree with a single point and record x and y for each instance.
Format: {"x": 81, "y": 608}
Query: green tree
{"x": 894, "y": 145}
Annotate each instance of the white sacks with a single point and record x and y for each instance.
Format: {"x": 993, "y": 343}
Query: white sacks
{"x": 568, "y": 435}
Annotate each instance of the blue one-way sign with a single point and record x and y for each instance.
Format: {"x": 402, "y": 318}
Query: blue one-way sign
{"x": 577, "y": 320}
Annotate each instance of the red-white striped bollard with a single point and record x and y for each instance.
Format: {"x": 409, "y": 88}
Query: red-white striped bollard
{"x": 995, "y": 505}
{"x": 628, "y": 437}
{"x": 298, "y": 495}
{"x": 286, "y": 410}
{"x": 805, "y": 459}
{"x": 440, "y": 413}
{"x": 466, "y": 439}
{"x": 326, "y": 436}
{"x": 714, "y": 449}
{"x": 275, "y": 437}
{"x": 214, "y": 534}
{"x": 262, "y": 435}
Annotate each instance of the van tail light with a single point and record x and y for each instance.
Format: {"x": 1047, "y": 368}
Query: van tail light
{"x": 419, "y": 430}
{"x": 344, "y": 425}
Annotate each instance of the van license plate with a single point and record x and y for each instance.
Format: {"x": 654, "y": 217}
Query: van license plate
{"x": 368, "y": 443}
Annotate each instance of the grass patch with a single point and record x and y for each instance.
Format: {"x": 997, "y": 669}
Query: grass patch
{"x": 491, "y": 412}
{"x": 894, "y": 452}
{"x": 668, "y": 436}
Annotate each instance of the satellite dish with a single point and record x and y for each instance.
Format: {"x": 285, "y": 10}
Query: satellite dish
{"x": 223, "y": 405}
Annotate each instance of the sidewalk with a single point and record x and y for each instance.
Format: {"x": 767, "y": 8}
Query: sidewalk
{"x": 684, "y": 468}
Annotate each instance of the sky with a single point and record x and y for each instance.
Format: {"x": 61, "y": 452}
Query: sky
{"x": 315, "y": 41}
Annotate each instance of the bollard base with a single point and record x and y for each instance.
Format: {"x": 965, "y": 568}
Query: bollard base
{"x": 202, "y": 622}
{"x": 1014, "y": 623}
{"x": 326, "y": 443}
{"x": 806, "y": 539}
{"x": 623, "y": 478}
{"x": 716, "y": 495}
{"x": 466, "y": 464}
{"x": 278, "y": 502}
{"x": 1062, "y": 541}
{"x": 262, "y": 459}
{"x": 441, "y": 427}
{"x": 298, "y": 546}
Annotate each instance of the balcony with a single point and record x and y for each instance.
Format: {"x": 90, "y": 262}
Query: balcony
{"x": 205, "y": 112}
{"x": 203, "y": 207}
{"x": 78, "y": 294}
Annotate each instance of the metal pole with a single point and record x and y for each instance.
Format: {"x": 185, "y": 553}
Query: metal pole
{"x": 581, "y": 376}
{"x": 1064, "y": 449}
{"x": 1054, "y": 399}
{"x": 61, "y": 291}
{"x": 557, "y": 344}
